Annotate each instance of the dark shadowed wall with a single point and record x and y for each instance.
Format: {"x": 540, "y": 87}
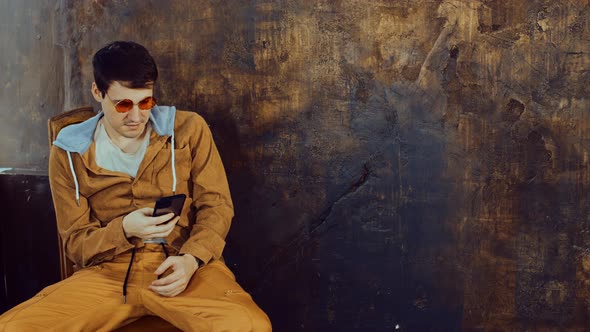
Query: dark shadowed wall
{"x": 414, "y": 163}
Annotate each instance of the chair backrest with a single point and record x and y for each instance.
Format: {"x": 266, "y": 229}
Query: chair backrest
{"x": 54, "y": 125}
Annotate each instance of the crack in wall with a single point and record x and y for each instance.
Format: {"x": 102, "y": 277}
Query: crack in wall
{"x": 305, "y": 234}
{"x": 362, "y": 180}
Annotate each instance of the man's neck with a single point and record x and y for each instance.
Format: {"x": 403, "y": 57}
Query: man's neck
{"x": 126, "y": 144}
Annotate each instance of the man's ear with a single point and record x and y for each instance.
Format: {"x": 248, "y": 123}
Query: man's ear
{"x": 96, "y": 92}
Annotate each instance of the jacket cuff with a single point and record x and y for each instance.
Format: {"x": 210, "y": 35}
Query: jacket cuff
{"x": 197, "y": 250}
{"x": 116, "y": 233}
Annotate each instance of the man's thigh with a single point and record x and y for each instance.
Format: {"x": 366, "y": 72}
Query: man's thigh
{"x": 213, "y": 301}
{"x": 89, "y": 300}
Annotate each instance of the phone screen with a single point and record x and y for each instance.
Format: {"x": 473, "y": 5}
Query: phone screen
{"x": 165, "y": 205}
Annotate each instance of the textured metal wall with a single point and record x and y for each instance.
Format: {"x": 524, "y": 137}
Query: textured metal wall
{"x": 31, "y": 74}
{"x": 421, "y": 163}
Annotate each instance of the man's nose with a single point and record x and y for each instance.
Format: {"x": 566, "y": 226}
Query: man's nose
{"x": 133, "y": 114}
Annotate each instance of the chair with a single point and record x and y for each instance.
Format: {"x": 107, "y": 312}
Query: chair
{"x": 55, "y": 124}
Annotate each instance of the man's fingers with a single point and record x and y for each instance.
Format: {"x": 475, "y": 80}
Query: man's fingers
{"x": 158, "y": 235}
{"x": 147, "y": 211}
{"x": 155, "y": 231}
{"x": 164, "y": 266}
{"x": 173, "y": 221}
{"x": 170, "y": 289}
{"x": 170, "y": 223}
{"x": 162, "y": 230}
{"x": 172, "y": 277}
{"x": 162, "y": 219}
{"x": 154, "y": 235}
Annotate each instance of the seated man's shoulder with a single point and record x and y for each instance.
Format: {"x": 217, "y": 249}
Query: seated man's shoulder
{"x": 189, "y": 120}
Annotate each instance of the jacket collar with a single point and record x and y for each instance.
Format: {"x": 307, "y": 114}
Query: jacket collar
{"x": 78, "y": 137}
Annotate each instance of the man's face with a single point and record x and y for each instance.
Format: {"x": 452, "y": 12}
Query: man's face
{"x": 130, "y": 124}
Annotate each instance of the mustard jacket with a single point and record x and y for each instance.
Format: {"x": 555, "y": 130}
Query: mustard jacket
{"x": 90, "y": 202}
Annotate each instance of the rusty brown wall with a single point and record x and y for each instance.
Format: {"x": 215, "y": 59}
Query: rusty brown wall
{"x": 421, "y": 163}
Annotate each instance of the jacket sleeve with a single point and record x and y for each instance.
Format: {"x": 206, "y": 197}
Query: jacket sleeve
{"x": 211, "y": 197}
{"x": 86, "y": 242}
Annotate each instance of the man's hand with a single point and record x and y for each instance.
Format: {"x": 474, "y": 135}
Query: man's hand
{"x": 141, "y": 224}
{"x": 183, "y": 268}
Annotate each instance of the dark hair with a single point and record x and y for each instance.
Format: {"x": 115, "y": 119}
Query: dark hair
{"x": 126, "y": 62}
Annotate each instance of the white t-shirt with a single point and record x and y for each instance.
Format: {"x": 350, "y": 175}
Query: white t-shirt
{"x": 111, "y": 157}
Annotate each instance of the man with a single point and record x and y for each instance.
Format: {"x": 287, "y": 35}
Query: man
{"x": 106, "y": 174}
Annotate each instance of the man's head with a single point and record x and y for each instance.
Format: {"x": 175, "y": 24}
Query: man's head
{"x": 124, "y": 77}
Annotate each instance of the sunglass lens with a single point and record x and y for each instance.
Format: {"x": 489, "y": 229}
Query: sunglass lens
{"x": 147, "y": 103}
{"x": 124, "y": 105}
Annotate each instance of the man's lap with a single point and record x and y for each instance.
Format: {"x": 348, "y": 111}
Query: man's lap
{"x": 212, "y": 297}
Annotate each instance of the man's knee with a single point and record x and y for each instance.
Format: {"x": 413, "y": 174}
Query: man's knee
{"x": 245, "y": 318}
{"x": 260, "y": 321}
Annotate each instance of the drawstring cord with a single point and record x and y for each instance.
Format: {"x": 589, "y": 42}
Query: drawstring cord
{"x": 75, "y": 178}
{"x": 129, "y": 270}
{"x": 127, "y": 276}
{"x": 164, "y": 249}
{"x": 165, "y": 252}
{"x": 173, "y": 167}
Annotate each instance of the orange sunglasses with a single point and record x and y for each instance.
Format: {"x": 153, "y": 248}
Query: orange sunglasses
{"x": 125, "y": 105}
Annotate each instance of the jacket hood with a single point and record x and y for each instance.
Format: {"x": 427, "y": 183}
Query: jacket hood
{"x": 78, "y": 137}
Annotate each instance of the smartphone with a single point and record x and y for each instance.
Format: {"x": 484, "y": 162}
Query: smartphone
{"x": 165, "y": 205}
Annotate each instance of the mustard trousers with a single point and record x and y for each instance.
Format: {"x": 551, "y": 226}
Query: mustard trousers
{"x": 91, "y": 300}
